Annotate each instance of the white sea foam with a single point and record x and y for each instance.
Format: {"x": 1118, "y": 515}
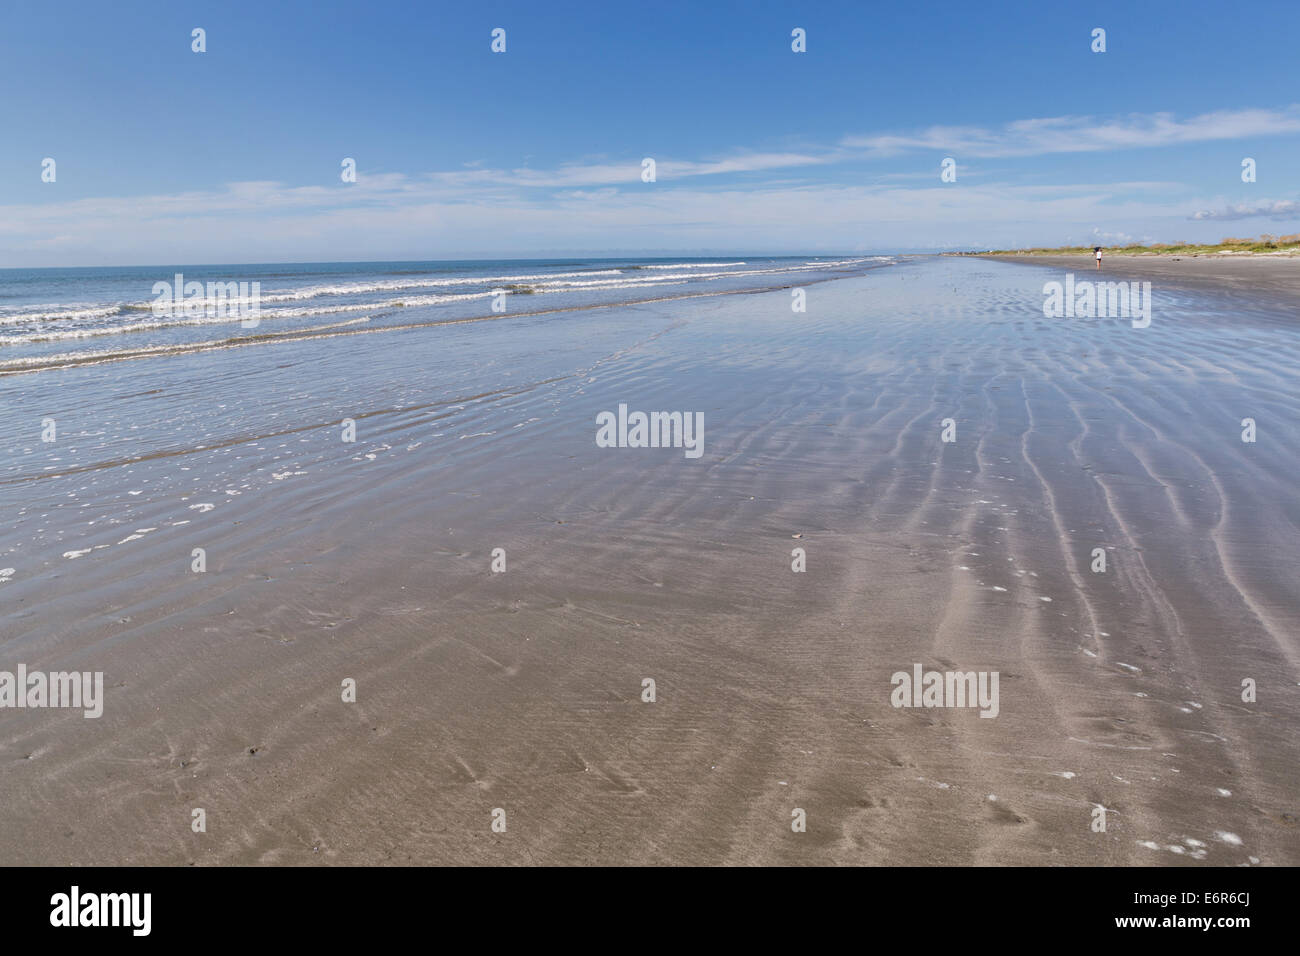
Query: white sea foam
{"x": 50, "y": 312}
{"x": 695, "y": 265}
{"x": 298, "y": 308}
{"x": 77, "y": 312}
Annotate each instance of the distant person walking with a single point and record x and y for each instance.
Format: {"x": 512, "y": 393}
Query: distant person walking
{"x": 1096, "y": 251}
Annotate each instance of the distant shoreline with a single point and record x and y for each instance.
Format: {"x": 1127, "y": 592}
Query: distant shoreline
{"x": 1129, "y": 253}
{"x": 1266, "y": 245}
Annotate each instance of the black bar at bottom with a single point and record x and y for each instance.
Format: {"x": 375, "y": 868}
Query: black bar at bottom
{"x": 334, "y": 905}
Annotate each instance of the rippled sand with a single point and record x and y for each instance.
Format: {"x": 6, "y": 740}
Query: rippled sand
{"x": 522, "y": 691}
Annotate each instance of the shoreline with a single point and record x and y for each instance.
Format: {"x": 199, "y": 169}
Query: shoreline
{"x": 1274, "y": 276}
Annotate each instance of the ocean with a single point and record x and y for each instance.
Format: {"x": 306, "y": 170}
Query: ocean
{"x": 58, "y": 317}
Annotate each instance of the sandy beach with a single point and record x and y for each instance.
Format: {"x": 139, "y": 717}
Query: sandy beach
{"x": 522, "y": 690}
{"x": 1256, "y": 275}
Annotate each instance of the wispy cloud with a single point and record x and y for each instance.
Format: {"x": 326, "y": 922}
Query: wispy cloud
{"x": 627, "y": 172}
{"x": 1027, "y": 137}
{"x": 261, "y": 221}
{"x": 1085, "y": 134}
{"x": 1281, "y": 209}
{"x": 749, "y": 199}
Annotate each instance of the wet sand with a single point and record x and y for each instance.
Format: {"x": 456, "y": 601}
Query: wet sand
{"x": 1253, "y": 275}
{"x": 522, "y": 690}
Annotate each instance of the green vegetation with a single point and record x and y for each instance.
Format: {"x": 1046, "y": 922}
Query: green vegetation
{"x": 1265, "y": 243}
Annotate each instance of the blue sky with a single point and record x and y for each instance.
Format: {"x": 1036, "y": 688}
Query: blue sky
{"x": 233, "y": 155}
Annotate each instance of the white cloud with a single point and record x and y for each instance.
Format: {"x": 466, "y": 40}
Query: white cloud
{"x": 1085, "y": 134}
{"x": 1281, "y": 209}
{"x": 263, "y": 221}
{"x": 602, "y": 204}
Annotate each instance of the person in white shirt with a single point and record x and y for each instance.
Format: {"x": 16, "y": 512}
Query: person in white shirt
{"x": 1096, "y": 251}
